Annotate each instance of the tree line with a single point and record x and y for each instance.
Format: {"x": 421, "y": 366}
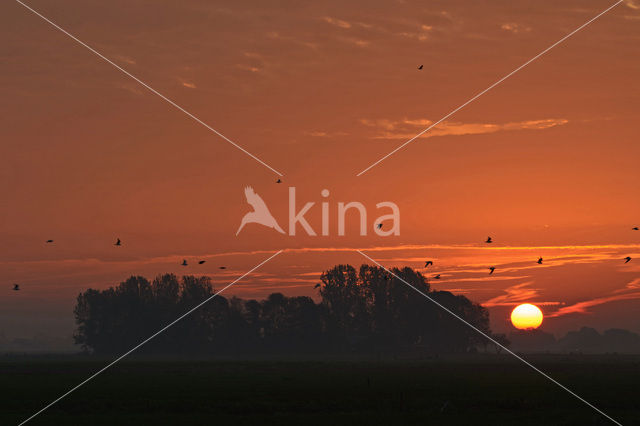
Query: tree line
{"x": 365, "y": 310}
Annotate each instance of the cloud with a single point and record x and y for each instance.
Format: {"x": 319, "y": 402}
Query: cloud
{"x": 125, "y": 59}
{"x": 490, "y": 278}
{"x": 628, "y": 292}
{"x": 336, "y": 22}
{"x": 364, "y": 25}
{"x": 129, "y": 87}
{"x": 173, "y": 258}
{"x": 457, "y": 290}
{"x": 633, "y": 4}
{"x": 320, "y": 134}
{"x": 355, "y": 41}
{"x": 408, "y": 128}
{"x": 248, "y": 68}
{"x": 515, "y": 28}
{"x": 633, "y": 285}
{"x": 583, "y": 307}
{"x": 514, "y": 295}
{"x": 422, "y": 34}
{"x": 274, "y": 35}
{"x": 188, "y": 85}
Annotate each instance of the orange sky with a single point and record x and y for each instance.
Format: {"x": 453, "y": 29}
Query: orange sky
{"x": 319, "y": 91}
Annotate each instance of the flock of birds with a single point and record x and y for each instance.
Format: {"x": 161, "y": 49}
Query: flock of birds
{"x": 118, "y": 243}
{"x": 489, "y": 240}
{"x": 492, "y": 269}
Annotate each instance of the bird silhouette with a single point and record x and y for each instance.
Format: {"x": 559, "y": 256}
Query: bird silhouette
{"x": 118, "y": 242}
{"x": 260, "y": 213}
{"x": 428, "y": 263}
{"x": 627, "y": 259}
{"x": 16, "y": 287}
{"x": 635, "y": 228}
{"x": 278, "y": 181}
{"x": 184, "y": 262}
{"x": 49, "y": 241}
{"x": 420, "y": 67}
{"x": 539, "y": 261}
{"x": 489, "y": 240}
{"x": 223, "y": 267}
{"x": 379, "y": 226}
{"x": 492, "y": 268}
{"x": 201, "y": 262}
{"x": 437, "y": 276}
{"x": 316, "y": 286}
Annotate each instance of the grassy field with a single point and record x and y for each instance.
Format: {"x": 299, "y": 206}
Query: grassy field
{"x": 478, "y": 390}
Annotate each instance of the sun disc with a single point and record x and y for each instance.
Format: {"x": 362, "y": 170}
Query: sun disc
{"x": 526, "y": 316}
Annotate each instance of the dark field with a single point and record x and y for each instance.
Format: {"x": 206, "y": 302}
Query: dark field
{"x": 486, "y": 390}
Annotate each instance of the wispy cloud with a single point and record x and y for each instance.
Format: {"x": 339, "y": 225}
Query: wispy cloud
{"x": 125, "y": 59}
{"x": 515, "y": 28}
{"x": 249, "y": 68}
{"x": 408, "y": 128}
{"x": 129, "y": 87}
{"x": 358, "y": 42}
{"x": 274, "y": 35}
{"x": 628, "y": 292}
{"x": 633, "y": 4}
{"x": 336, "y": 22}
{"x": 321, "y": 134}
{"x": 583, "y": 307}
{"x": 422, "y": 33}
{"x": 399, "y": 247}
{"x": 513, "y": 295}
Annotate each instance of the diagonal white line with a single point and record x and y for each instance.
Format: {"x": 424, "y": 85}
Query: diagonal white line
{"x": 149, "y": 338}
{"x": 151, "y": 89}
{"x": 489, "y": 88}
{"x": 494, "y": 341}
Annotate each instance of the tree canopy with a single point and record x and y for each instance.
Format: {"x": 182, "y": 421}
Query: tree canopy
{"x": 365, "y": 310}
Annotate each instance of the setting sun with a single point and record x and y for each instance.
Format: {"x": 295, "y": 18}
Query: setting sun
{"x": 526, "y": 316}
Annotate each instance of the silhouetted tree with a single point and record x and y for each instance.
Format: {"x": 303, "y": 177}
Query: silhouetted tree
{"x": 364, "y": 310}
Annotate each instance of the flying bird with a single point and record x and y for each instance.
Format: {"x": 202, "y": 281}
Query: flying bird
{"x": 627, "y": 259}
{"x": 49, "y": 241}
{"x": 118, "y": 243}
{"x": 428, "y": 263}
{"x": 201, "y": 262}
{"x": 492, "y": 268}
{"x": 489, "y": 240}
{"x": 223, "y": 267}
{"x": 420, "y": 67}
{"x": 316, "y": 286}
{"x": 260, "y": 213}
{"x": 540, "y": 261}
{"x": 635, "y": 228}
{"x": 184, "y": 262}
{"x": 16, "y": 287}
{"x": 437, "y": 276}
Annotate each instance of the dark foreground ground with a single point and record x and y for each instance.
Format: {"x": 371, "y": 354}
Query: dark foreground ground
{"x": 478, "y": 390}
